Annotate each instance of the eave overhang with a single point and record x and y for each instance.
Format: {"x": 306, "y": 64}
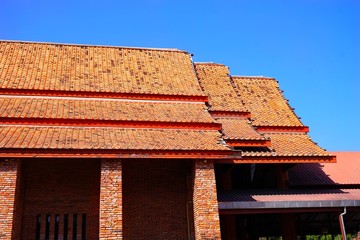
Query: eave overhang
{"x": 236, "y": 202}
{"x": 281, "y": 159}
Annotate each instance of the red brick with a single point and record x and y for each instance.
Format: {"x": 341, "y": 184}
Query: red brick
{"x": 8, "y": 179}
{"x": 206, "y": 214}
{"x": 111, "y": 200}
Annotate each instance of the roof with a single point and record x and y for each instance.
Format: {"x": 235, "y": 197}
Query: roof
{"x": 66, "y": 98}
{"x": 34, "y": 137}
{"x": 239, "y": 129}
{"x": 265, "y": 101}
{"x": 294, "y": 144}
{"x": 23, "y": 107}
{"x": 344, "y": 172}
{"x": 42, "y": 66}
{"x": 215, "y": 80}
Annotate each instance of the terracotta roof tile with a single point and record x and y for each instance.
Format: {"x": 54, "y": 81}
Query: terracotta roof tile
{"x": 100, "y": 109}
{"x": 294, "y": 144}
{"x": 344, "y": 171}
{"x": 288, "y": 145}
{"x": 237, "y": 128}
{"x": 215, "y": 81}
{"x": 267, "y": 105}
{"x": 38, "y": 66}
{"x": 108, "y": 138}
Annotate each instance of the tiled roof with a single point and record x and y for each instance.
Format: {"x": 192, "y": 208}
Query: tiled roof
{"x": 267, "y": 105}
{"x": 237, "y": 128}
{"x": 38, "y": 66}
{"x": 34, "y": 137}
{"x": 345, "y": 171}
{"x": 290, "y": 144}
{"x": 102, "y": 109}
{"x": 298, "y": 144}
{"x": 215, "y": 80}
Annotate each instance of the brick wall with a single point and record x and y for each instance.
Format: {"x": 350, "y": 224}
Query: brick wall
{"x": 60, "y": 186}
{"x": 8, "y": 179}
{"x": 155, "y": 199}
{"x": 206, "y": 214}
{"x": 111, "y": 199}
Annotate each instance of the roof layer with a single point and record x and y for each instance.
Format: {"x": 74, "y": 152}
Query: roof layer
{"x": 38, "y": 66}
{"x": 33, "y": 137}
{"x": 102, "y": 109}
{"x": 215, "y": 81}
{"x": 267, "y": 105}
{"x": 344, "y": 172}
{"x": 239, "y": 129}
{"x": 289, "y": 144}
{"x": 294, "y": 144}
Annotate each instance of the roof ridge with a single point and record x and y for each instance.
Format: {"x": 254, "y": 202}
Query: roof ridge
{"x": 96, "y": 45}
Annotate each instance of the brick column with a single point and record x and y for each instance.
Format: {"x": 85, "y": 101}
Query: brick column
{"x": 8, "y": 179}
{"x": 206, "y": 211}
{"x": 111, "y": 200}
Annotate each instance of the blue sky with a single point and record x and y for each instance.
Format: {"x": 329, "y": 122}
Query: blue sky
{"x": 311, "y": 47}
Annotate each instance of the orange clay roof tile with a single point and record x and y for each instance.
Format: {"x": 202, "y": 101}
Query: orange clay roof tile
{"x": 215, "y": 80}
{"x": 267, "y": 105}
{"x": 107, "y": 138}
{"x": 42, "y": 66}
{"x": 100, "y": 109}
{"x": 239, "y": 129}
{"x": 288, "y": 145}
{"x": 295, "y": 144}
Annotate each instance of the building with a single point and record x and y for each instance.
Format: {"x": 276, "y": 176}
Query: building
{"x": 100, "y": 142}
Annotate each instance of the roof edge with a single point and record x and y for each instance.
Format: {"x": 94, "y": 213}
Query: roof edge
{"x": 96, "y": 45}
{"x": 210, "y": 63}
{"x": 253, "y": 77}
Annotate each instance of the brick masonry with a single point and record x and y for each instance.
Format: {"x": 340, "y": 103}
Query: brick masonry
{"x": 206, "y": 213}
{"x": 111, "y": 210}
{"x": 8, "y": 179}
{"x": 60, "y": 186}
{"x": 155, "y": 204}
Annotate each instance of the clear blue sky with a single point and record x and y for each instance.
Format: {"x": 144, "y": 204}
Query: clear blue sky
{"x": 311, "y": 46}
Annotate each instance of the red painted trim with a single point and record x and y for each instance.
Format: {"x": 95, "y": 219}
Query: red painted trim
{"x": 248, "y": 143}
{"x": 264, "y": 129}
{"x": 230, "y": 114}
{"x": 280, "y": 159}
{"x": 137, "y": 96}
{"x": 109, "y": 123}
{"x": 111, "y": 153}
